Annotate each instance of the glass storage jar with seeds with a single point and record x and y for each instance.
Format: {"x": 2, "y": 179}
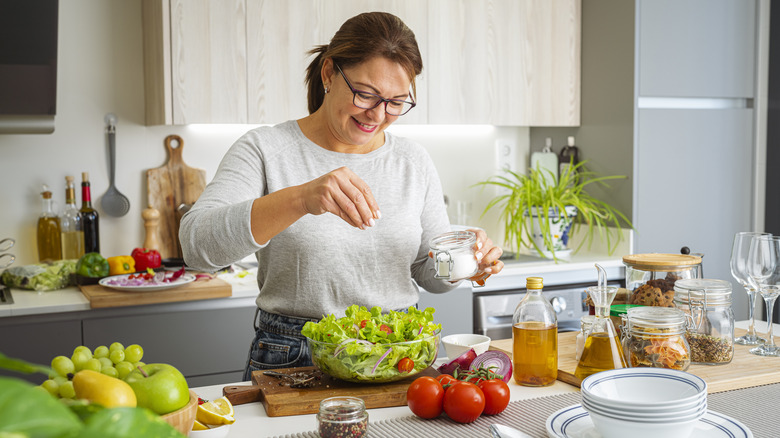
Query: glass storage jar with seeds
{"x": 342, "y": 417}
{"x": 655, "y": 337}
{"x": 708, "y": 302}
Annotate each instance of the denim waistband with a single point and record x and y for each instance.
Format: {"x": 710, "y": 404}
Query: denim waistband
{"x": 280, "y": 324}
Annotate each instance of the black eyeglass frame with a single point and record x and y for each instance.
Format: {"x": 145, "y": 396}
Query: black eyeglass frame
{"x": 381, "y": 99}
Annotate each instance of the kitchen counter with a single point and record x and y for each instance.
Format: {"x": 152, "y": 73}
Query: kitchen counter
{"x": 251, "y": 419}
{"x": 575, "y": 269}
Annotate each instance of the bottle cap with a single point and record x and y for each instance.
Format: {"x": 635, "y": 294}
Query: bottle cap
{"x": 85, "y": 176}
{"x": 547, "y": 145}
{"x": 571, "y": 141}
{"x": 69, "y": 179}
{"x": 533, "y": 283}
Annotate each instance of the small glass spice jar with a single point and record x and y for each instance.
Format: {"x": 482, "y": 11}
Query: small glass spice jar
{"x": 708, "y": 302}
{"x": 655, "y": 337}
{"x": 453, "y": 255}
{"x": 651, "y": 277}
{"x": 342, "y": 417}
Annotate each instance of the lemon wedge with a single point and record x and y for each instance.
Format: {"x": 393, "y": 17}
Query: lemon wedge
{"x": 197, "y": 425}
{"x": 215, "y": 412}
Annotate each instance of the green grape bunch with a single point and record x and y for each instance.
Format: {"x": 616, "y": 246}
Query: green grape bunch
{"x": 114, "y": 360}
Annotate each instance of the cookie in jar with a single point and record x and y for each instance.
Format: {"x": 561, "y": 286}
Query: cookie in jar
{"x": 650, "y": 278}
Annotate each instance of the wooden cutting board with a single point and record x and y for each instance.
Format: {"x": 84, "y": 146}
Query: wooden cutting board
{"x": 168, "y": 187}
{"x": 745, "y": 370}
{"x": 281, "y": 400}
{"x": 100, "y": 296}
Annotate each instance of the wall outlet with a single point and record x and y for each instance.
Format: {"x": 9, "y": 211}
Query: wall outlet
{"x": 506, "y": 155}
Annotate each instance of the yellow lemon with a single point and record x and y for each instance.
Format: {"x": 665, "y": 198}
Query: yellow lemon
{"x": 197, "y": 425}
{"x": 105, "y": 390}
{"x": 215, "y": 412}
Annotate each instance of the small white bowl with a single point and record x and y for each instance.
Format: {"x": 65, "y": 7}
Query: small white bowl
{"x": 610, "y": 427}
{"x": 644, "y": 387}
{"x": 216, "y": 432}
{"x": 645, "y": 414}
{"x": 455, "y": 345}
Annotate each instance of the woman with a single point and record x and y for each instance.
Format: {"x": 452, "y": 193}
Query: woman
{"x": 275, "y": 184}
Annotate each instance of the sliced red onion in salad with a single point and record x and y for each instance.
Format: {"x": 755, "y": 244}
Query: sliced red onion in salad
{"x": 381, "y": 359}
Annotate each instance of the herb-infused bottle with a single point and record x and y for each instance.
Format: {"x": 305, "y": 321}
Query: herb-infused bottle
{"x": 48, "y": 233}
{"x": 70, "y": 223}
{"x": 89, "y": 217}
{"x": 535, "y": 338}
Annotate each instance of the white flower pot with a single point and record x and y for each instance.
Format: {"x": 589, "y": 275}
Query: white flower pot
{"x": 560, "y": 225}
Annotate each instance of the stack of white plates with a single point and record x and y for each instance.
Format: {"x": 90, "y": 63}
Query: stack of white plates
{"x": 644, "y": 402}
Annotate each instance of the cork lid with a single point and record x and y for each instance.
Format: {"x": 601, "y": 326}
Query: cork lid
{"x": 657, "y": 262}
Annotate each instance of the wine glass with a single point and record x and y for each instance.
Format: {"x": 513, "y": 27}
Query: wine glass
{"x": 764, "y": 269}
{"x": 739, "y": 258}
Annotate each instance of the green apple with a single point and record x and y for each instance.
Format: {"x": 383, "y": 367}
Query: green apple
{"x": 159, "y": 387}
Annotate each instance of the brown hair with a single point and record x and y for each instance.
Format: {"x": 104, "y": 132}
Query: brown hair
{"x": 359, "y": 39}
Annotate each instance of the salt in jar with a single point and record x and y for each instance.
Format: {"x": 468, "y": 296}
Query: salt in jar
{"x": 453, "y": 255}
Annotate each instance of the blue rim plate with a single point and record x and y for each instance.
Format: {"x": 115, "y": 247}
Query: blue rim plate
{"x": 574, "y": 422}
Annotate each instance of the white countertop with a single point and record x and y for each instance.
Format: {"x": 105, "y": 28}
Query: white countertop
{"x": 251, "y": 419}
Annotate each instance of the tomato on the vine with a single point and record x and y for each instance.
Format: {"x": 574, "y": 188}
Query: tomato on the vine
{"x": 496, "y": 393}
{"x": 405, "y": 365}
{"x": 425, "y": 397}
{"x": 446, "y": 379}
{"x": 464, "y": 402}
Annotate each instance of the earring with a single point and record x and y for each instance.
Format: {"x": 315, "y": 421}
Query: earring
{"x": 326, "y": 89}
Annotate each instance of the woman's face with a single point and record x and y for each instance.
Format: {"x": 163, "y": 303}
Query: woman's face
{"x": 353, "y": 126}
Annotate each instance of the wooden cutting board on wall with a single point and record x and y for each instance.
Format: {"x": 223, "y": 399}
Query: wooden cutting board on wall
{"x": 170, "y": 187}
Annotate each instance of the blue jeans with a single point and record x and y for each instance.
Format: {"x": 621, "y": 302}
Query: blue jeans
{"x": 278, "y": 343}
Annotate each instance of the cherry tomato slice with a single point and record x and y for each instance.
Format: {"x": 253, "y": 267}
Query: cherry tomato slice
{"x": 405, "y": 365}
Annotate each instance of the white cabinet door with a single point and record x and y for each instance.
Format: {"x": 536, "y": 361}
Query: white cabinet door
{"x": 504, "y": 62}
{"x": 281, "y": 33}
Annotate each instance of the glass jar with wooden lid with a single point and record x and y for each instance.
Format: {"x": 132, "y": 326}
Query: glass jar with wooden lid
{"x": 651, "y": 277}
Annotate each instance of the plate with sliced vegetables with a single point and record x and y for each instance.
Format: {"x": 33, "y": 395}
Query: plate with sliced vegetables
{"x": 148, "y": 281}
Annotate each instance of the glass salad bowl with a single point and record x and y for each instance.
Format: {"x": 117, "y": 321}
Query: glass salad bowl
{"x": 365, "y": 347}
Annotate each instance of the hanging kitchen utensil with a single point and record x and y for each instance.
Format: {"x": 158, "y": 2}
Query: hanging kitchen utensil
{"x": 168, "y": 187}
{"x": 113, "y": 203}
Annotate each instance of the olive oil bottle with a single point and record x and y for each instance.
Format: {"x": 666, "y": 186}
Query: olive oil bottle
{"x": 48, "y": 233}
{"x": 70, "y": 222}
{"x": 535, "y": 338}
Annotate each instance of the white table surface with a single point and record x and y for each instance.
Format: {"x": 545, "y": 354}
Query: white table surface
{"x": 251, "y": 419}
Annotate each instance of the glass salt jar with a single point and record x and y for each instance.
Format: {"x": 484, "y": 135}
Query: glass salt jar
{"x": 453, "y": 255}
{"x": 655, "y": 337}
{"x": 708, "y": 302}
{"x": 342, "y": 417}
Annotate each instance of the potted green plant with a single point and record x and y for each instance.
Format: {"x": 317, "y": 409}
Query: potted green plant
{"x": 541, "y": 212}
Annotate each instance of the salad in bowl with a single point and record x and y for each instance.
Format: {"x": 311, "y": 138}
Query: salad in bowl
{"x": 374, "y": 347}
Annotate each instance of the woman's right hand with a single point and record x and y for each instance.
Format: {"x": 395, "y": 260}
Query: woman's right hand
{"x": 344, "y": 194}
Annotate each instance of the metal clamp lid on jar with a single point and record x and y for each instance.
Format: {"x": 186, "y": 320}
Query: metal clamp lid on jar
{"x": 444, "y": 245}
{"x": 655, "y": 262}
{"x": 704, "y": 291}
{"x": 650, "y": 320}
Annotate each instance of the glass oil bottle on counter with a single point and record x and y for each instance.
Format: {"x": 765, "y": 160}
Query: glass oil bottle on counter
{"x": 48, "y": 233}
{"x": 602, "y": 350}
{"x": 535, "y": 338}
{"x": 70, "y": 222}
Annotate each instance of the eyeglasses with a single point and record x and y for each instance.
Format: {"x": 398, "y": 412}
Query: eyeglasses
{"x": 366, "y": 100}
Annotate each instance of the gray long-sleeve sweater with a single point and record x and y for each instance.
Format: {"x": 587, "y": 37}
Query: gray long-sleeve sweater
{"x": 320, "y": 264}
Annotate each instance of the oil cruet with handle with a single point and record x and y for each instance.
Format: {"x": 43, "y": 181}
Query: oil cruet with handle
{"x": 602, "y": 350}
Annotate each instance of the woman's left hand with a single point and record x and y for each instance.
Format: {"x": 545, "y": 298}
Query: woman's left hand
{"x": 487, "y": 256}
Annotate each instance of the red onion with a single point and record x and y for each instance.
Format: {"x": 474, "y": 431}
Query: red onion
{"x": 461, "y": 362}
{"x": 496, "y": 361}
{"x": 381, "y": 359}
